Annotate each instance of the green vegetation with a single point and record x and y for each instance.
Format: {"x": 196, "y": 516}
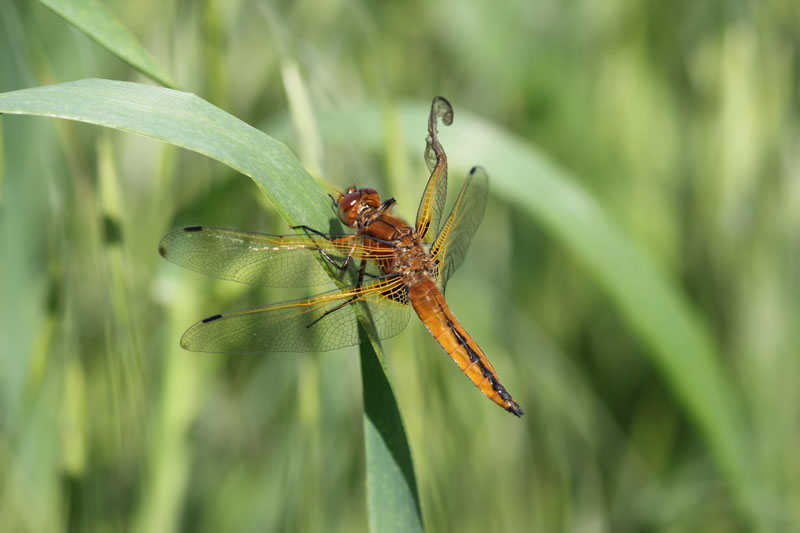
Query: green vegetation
{"x": 634, "y": 281}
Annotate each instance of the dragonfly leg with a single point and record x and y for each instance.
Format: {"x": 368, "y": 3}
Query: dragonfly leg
{"x": 330, "y": 260}
{"x": 350, "y": 300}
{"x": 342, "y": 267}
{"x": 312, "y": 230}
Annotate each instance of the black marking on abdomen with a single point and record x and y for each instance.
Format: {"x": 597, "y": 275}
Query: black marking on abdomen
{"x": 475, "y": 358}
{"x": 211, "y": 318}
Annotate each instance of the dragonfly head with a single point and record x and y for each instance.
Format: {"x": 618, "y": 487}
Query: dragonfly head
{"x": 353, "y": 202}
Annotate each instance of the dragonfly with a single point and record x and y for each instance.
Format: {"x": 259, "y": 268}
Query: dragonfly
{"x": 400, "y": 267}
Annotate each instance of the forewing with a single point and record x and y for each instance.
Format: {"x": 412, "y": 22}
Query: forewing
{"x": 257, "y": 258}
{"x": 431, "y": 206}
{"x": 307, "y": 325}
{"x": 453, "y": 241}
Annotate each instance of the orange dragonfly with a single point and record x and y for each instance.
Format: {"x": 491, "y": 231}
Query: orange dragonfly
{"x": 401, "y": 266}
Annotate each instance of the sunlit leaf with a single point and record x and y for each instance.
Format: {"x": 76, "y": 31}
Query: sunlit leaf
{"x": 190, "y": 122}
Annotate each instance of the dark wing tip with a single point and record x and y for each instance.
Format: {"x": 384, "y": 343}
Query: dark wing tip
{"x": 211, "y": 318}
{"x": 478, "y": 170}
{"x": 162, "y": 246}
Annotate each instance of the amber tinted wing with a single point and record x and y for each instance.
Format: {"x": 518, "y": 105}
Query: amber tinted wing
{"x": 303, "y": 325}
{"x": 452, "y": 243}
{"x": 429, "y": 214}
{"x": 258, "y": 258}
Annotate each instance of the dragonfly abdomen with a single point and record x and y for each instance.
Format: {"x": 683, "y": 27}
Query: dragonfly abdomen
{"x": 432, "y": 309}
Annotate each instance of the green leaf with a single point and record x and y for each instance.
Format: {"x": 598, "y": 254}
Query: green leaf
{"x": 392, "y": 496}
{"x": 190, "y": 122}
{"x": 655, "y": 309}
{"x": 187, "y": 121}
{"x": 94, "y": 19}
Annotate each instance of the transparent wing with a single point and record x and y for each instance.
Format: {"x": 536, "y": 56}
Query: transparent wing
{"x": 258, "y": 258}
{"x": 324, "y": 322}
{"x": 453, "y": 241}
{"x": 431, "y": 206}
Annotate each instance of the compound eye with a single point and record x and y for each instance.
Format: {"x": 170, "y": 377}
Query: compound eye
{"x": 347, "y": 205}
{"x": 345, "y": 193}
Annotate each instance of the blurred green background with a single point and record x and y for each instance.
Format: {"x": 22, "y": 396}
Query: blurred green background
{"x": 679, "y": 119}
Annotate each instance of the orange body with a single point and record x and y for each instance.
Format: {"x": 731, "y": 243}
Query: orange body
{"x": 399, "y": 250}
{"x": 431, "y": 308}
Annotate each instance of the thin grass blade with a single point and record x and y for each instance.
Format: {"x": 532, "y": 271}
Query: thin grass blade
{"x": 93, "y": 18}
{"x": 392, "y": 494}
